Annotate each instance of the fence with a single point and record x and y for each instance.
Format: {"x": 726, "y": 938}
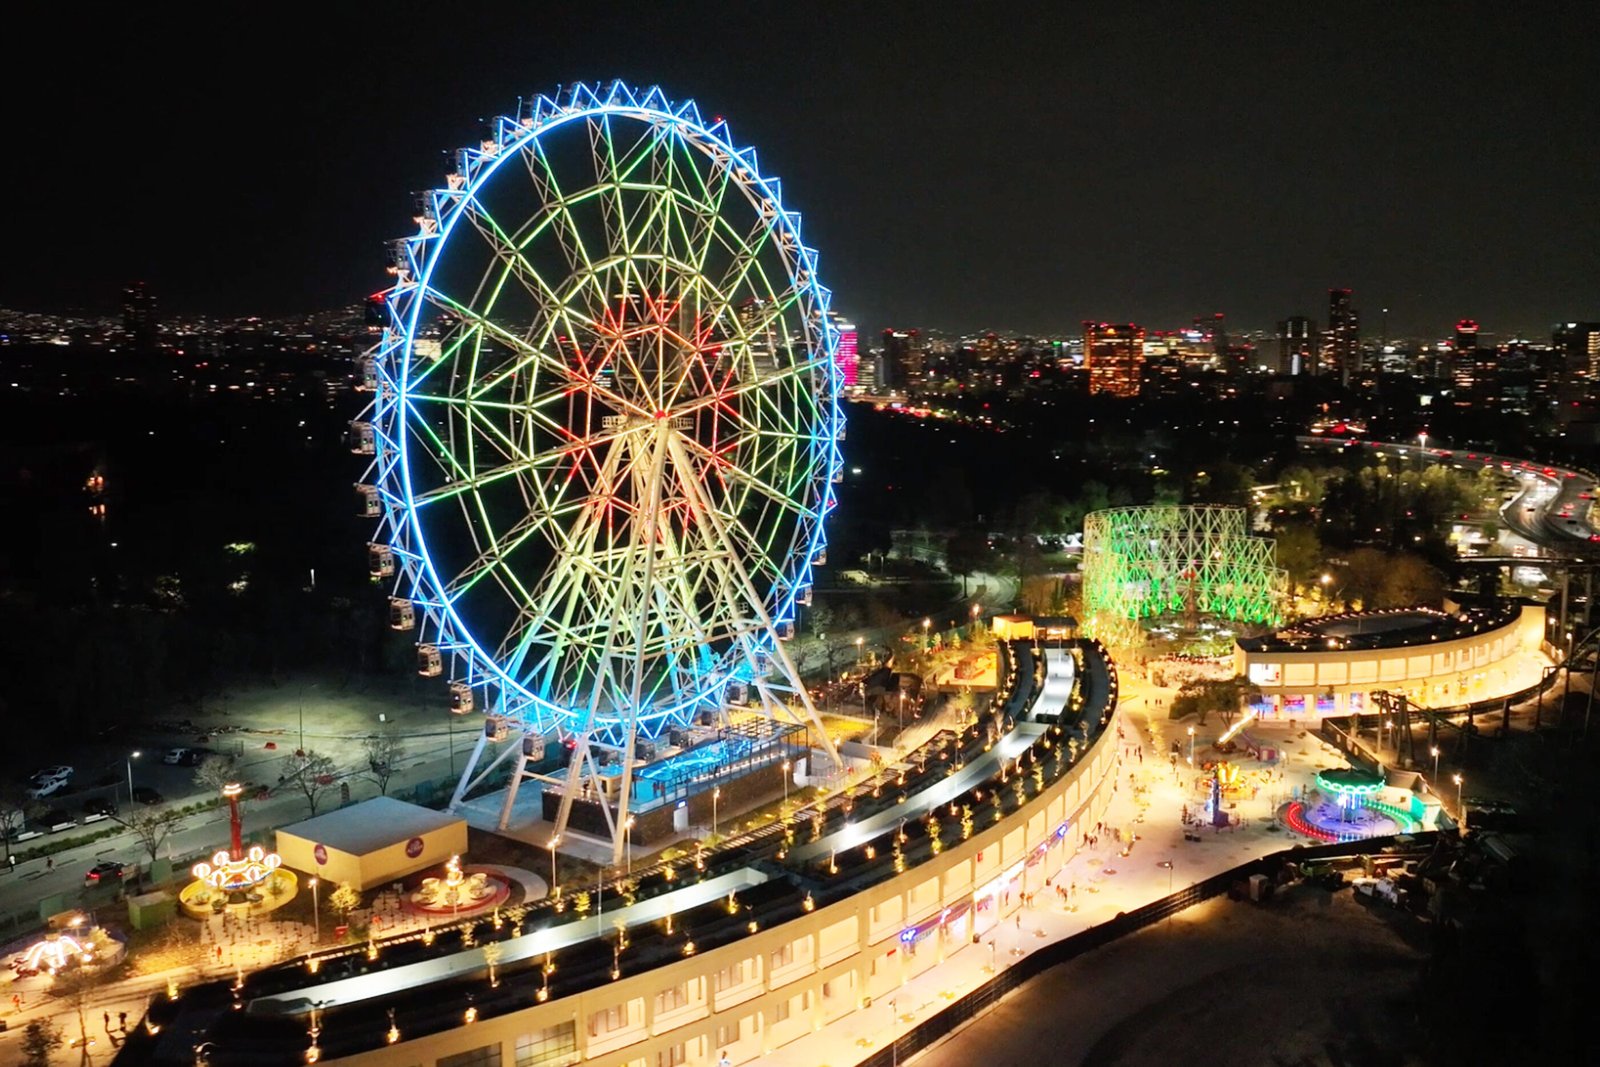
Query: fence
{"x": 975, "y": 1003}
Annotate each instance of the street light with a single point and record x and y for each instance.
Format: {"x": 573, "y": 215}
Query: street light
{"x": 786, "y": 785}
{"x": 1460, "y": 804}
{"x": 316, "y": 910}
{"x": 555, "y": 886}
{"x": 131, "y": 757}
{"x": 627, "y": 841}
{"x": 925, "y": 624}
{"x": 975, "y": 613}
{"x": 1191, "y": 746}
{"x": 860, "y": 643}
{"x": 716, "y": 795}
{"x": 1435, "y": 750}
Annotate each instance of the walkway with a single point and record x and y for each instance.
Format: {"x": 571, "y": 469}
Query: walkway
{"x": 1101, "y": 881}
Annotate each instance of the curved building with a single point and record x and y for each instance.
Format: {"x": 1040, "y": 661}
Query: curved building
{"x": 1332, "y": 665}
{"x": 778, "y": 934}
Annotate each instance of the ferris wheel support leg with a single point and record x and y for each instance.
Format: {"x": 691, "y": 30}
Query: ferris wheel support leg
{"x": 466, "y": 772}
{"x": 693, "y": 489}
{"x": 517, "y": 774}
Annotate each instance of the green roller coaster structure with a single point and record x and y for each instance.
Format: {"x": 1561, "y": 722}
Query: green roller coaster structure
{"x": 1176, "y": 560}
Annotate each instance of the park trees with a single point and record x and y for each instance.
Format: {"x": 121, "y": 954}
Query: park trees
{"x": 152, "y": 828}
{"x": 1225, "y": 696}
{"x": 384, "y": 751}
{"x": 309, "y": 772}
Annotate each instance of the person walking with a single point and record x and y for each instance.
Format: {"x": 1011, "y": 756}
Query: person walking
{"x": 49, "y": 864}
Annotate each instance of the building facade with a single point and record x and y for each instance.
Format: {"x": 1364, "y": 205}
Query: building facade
{"x": 1113, "y": 354}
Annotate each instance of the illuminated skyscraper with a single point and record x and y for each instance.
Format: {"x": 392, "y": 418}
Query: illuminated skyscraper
{"x": 1113, "y": 353}
{"x": 847, "y": 357}
{"x": 139, "y": 316}
{"x": 1579, "y": 345}
{"x": 903, "y": 357}
{"x": 1297, "y": 346}
{"x": 1471, "y": 368}
{"x": 1341, "y": 345}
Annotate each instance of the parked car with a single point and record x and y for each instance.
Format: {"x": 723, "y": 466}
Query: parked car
{"x": 60, "y": 770}
{"x": 37, "y": 790}
{"x": 145, "y": 795}
{"x": 99, "y": 806}
{"x": 175, "y": 756}
{"x": 109, "y": 871}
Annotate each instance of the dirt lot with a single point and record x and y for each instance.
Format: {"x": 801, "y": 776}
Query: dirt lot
{"x": 1310, "y": 979}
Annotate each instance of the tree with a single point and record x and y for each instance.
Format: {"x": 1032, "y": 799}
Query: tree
{"x": 344, "y": 900}
{"x": 1225, "y": 696}
{"x": 214, "y": 772}
{"x": 1299, "y": 553}
{"x": 16, "y": 808}
{"x": 39, "y": 1039}
{"x": 384, "y": 751}
{"x": 966, "y": 551}
{"x": 311, "y": 773}
{"x": 151, "y": 827}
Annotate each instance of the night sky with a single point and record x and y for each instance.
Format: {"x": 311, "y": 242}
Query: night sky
{"x": 1007, "y": 167}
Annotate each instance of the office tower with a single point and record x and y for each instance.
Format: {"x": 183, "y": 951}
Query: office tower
{"x": 139, "y": 316}
{"x": 1214, "y": 329}
{"x": 1342, "y": 343}
{"x": 1113, "y": 353}
{"x": 1297, "y": 346}
{"x": 903, "y": 358}
{"x": 1579, "y": 345}
{"x": 1472, "y": 369}
{"x": 846, "y": 357}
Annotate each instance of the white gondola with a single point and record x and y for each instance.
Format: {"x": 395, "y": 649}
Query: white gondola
{"x": 429, "y": 663}
{"x": 363, "y": 438}
{"x": 762, "y": 663}
{"x": 460, "y": 698}
{"x": 820, "y": 559}
{"x": 369, "y": 505}
{"x": 533, "y": 746}
{"x": 802, "y": 596}
{"x": 380, "y": 561}
{"x": 838, "y": 475}
{"x": 369, "y": 375}
{"x": 784, "y": 628}
{"x": 402, "y": 616}
{"x": 839, "y": 430}
{"x": 736, "y": 695}
{"x": 496, "y": 728}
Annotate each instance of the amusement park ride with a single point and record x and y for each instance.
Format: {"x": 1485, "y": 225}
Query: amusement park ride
{"x": 605, "y": 437}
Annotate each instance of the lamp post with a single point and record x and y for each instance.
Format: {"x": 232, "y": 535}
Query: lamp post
{"x": 1435, "y": 750}
{"x": 900, "y": 717}
{"x": 716, "y": 795}
{"x": 131, "y": 757}
{"x": 1461, "y": 806}
{"x": 627, "y": 841}
{"x": 860, "y": 644}
{"x": 976, "y": 611}
{"x": 1191, "y": 746}
{"x": 925, "y": 624}
{"x": 555, "y": 886}
{"x": 316, "y": 910}
{"x": 786, "y": 785}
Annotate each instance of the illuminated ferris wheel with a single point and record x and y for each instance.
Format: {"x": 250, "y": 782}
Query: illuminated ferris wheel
{"x": 605, "y": 427}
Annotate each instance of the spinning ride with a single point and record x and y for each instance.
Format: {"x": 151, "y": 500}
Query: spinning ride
{"x": 605, "y": 434}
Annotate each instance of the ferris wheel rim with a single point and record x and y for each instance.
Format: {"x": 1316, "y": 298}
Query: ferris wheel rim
{"x": 484, "y": 668}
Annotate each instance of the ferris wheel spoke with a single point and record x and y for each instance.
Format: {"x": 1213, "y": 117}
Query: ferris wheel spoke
{"x": 541, "y": 172}
{"x": 513, "y": 263}
{"x": 750, "y": 481}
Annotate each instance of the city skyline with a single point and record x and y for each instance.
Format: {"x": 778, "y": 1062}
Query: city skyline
{"x": 1025, "y": 176}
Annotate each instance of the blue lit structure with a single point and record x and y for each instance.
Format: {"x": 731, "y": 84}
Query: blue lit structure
{"x": 605, "y": 428}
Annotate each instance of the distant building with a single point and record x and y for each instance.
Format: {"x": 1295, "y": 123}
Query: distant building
{"x": 1579, "y": 345}
{"x": 1113, "y": 353}
{"x": 1341, "y": 345}
{"x": 847, "y": 357}
{"x": 1472, "y": 369}
{"x": 139, "y": 319}
{"x": 1297, "y": 346}
{"x": 904, "y": 357}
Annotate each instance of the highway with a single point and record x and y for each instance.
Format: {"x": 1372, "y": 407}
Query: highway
{"x": 1551, "y": 509}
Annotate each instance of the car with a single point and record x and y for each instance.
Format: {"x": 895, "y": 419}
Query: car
{"x": 59, "y": 773}
{"x": 108, "y": 871}
{"x": 40, "y": 790}
{"x": 99, "y": 806}
{"x": 145, "y": 795}
{"x": 175, "y": 756}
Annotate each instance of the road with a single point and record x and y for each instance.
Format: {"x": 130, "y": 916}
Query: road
{"x": 1551, "y": 509}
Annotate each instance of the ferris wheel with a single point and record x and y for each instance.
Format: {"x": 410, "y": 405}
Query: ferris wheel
{"x": 605, "y": 429}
